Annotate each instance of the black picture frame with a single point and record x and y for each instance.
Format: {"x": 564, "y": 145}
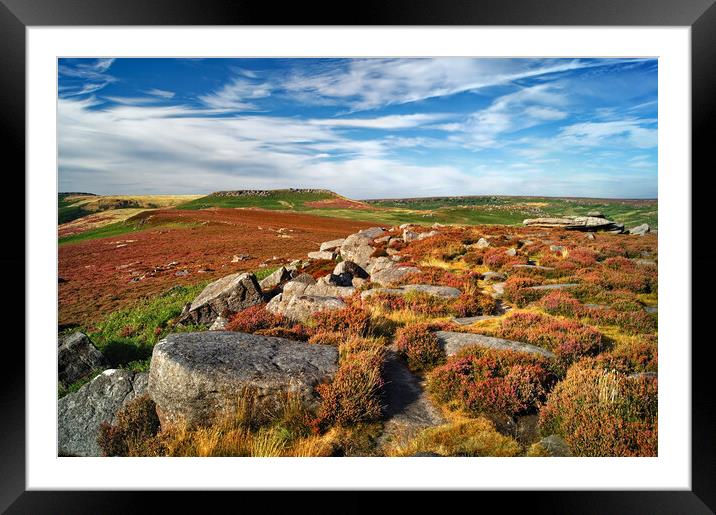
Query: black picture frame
{"x": 700, "y": 15}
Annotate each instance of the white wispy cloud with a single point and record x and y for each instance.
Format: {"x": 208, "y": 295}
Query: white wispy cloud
{"x": 160, "y": 93}
{"x": 237, "y": 95}
{"x": 592, "y": 134}
{"x": 87, "y": 78}
{"x": 385, "y": 122}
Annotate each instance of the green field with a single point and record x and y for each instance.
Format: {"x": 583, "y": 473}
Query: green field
{"x": 498, "y": 210}
{"x": 277, "y": 199}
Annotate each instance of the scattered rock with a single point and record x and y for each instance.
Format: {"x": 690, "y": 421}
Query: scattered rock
{"x": 240, "y": 257}
{"x": 534, "y": 267}
{"x": 556, "y": 248}
{"x": 79, "y": 414}
{"x": 555, "y": 446}
{"x": 404, "y": 226}
{"x": 493, "y": 276}
{"x": 224, "y": 296}
{"x": 392, "y": 274}
{"x": 511, "y": 252}
{"x": 195, "y": 376}
{"x": 645, "y": 262}
{"x": 498, "y": 290}
{"x": 651, "y": 309}
{"x": 472, "y": 320}
{"x": 372, "y": 232}
{"x": 219, "y": 324}
{"x": 357, "y": 248}
{"x": 453, "y": 342}
{"x": 409, "y": 235}
{"x": 482, "y": 243}
{"x": 349, "y": 267}
{"x": 641, "y": 230}
{"x": 77, "y": 357}
{"x": 273, "y": 280}
{"x": 596, "y": 214}
{"x": 302, "y": 307}
{"x": 382, "y": 239}
{"x": 322, "y": 254}
{"x": 446, "y": 292}
{"x": 332, "y": 245}
{"x": 590, "y": 236}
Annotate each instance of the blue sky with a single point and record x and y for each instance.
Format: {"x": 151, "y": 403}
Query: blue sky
{"x": 365, "y": 128}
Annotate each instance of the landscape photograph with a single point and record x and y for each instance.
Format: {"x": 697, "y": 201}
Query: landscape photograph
{"x": 357, "y": 257}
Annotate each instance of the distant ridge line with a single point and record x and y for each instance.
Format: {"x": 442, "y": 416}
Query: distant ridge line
{"x": 266, "y": 193}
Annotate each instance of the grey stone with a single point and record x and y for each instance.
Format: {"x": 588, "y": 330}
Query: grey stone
{"x": 645, "y": 262}
{"x": 357, "y": 248}
{"x": 409, "y": 235}
{"x": 372, "y": 232}
{"x": 382, "y": 239}
{"x": 219, "y": 324}
{"x": 493, "y": 276}
{"x": 453, "y": 342}
{"x": 651, "y": 309}
{"x": 446, "y": 292}
{"x": 556, "y": 248}
{"x": 641, "y": 230}
{"x": 534, "y": 267}
{"x": 227, "y": 295}
{"x": 555, "y": 446}
{"x": 303, "y": 307}
{"x": 482, "y": 243}
{"x": 322, "y": 254}
{"x": 426, "y": 235}
{"x": 80, "y": 414}
{"x": 472, "y": 320}
{"x": 196, "y": 376}
{"x": 575, "y": 223}
{"x": 332, "y": 245}
{"x": 596, "y": 214}
{"x": 273, "y": 280}
{"x": 392, "y": 274}
{"x": 77, "y": 357}
{"x": 511, "y": 252}
{"x": 351, "y": 268}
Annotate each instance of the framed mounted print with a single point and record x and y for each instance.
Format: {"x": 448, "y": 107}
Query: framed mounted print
{"x": 419, "y": 253}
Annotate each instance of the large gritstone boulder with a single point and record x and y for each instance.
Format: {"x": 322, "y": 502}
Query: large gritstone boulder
{"x": 358, "y": 247}
{"x": 197, "y": 376}
{"x": 80, "y": 414}
{"x": 223, "y": 297}
{"x": 276, "y": 278}
{"x": 77, "y": 357}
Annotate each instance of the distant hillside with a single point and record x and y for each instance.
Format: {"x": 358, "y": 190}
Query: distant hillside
{"x": 292, "y": 198}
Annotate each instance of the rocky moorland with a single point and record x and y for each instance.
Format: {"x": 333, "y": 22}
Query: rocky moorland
{"x": 444, "y": 340}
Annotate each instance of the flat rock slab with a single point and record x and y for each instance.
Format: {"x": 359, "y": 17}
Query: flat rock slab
{"x": 553, "y": 286}
{"x": 392, "y": 274}
{"x": 80, "y": 414}
{"x": 407, "y": 407}
{"x": 472, "y": 320}
{"x": 446, "y": 292}
{"x": 303, "y": 307}
{"x": 453, "y": 342}
{"x": 196, "y": 376}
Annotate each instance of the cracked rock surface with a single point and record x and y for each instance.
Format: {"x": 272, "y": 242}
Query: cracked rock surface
{"x": 195, "y": 376}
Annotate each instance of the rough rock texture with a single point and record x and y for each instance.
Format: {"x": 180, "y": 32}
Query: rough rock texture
{"x": 392, "y": 274}
{"x": 409, "y": 235}
{"x": 357, "y": 248}
{"x": 332, "y": 245}
{"x": 482, "y": 243}
{"x": 511, "y": 252}
{"x": 227, "y": 295}
{"x": 195, "y": 376}
{"x": 322, "y": 254}
{"x": 324, "y": 288}
{"x": 446, "y": 292}
{"x": 556, "y": 248}
{"x": 219, "y": 324}
{"x": 302, "y": 307}
{"x": 453, "y": 342}
{"x": 272, "y": 281}
{"x": 641, "y": 230}
{"x": 77, "y": 357}
{"x": 576, "y": 223}
{"x": 372, "y": 232}
{"x": 555, "y": 446}
{"x": 79, "y": 414}
{"x": 349, "y": 267}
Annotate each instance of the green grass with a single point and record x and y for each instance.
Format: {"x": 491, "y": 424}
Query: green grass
{"x": 68, "y": 211}
{"x": 278, "y": 199}
{"x": 119, "y": 229}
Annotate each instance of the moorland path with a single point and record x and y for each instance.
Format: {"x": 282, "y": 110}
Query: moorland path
{"x": 408, "y": 409}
